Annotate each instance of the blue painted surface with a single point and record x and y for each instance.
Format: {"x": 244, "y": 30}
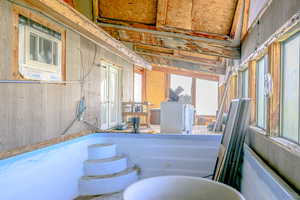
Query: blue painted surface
{"x": 49, "y": 173}
{"x": 52, "y": 173}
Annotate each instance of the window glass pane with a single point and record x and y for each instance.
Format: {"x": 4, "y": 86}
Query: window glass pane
{"x": 206, "y": 97}
{"x": 290, "y": 89}
{"x": 45, "y": 51}
{"x": 183, "y": 81}
{"x": 137, "y": 87}
{"x": 33, "y": 47}
{"x": 260, "y": 97}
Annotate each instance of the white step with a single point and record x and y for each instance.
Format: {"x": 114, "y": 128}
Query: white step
{"x": 101, "y": 151}
{"x": 96, "y": 185}
{"x": 105, "y": 166}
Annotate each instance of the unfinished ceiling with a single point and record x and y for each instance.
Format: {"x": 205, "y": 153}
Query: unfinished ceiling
{"x": 195, "y": 34}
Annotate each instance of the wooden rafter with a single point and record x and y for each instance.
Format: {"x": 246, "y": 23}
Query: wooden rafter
{"x": 237, "y": 18}
{"x": 245, "y": 19}
{"x": 169, "y": 61}
{"x": 170, "y": 41}
{"x": 185, "y": 72}
{"x": 204, "y": 60}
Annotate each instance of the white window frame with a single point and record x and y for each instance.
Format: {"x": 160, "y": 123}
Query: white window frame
{"x": 40, "y": 65}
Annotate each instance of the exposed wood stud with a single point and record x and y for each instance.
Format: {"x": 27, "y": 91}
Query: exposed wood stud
{"x": 274, "y": 60}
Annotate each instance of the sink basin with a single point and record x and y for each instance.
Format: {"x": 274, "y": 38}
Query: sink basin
{"x": 180, "y": 188}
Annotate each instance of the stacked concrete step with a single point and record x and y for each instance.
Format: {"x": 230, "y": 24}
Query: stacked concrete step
{"x": 105, "y": 171}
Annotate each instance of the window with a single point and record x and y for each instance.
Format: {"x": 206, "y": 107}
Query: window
{"x": 182, "y": 81}
{"x": 261, "y": 112}
{"x": 40, "y": 47}
{"x": 290, "y": 88}
{"x": 137, "y": 87}
{"x": 245, "y": 85}
{"x": 206, "y": 97}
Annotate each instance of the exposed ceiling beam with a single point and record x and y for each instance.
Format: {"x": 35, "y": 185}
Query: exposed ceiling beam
{"x": 185, "y": 72}
{"x": 204, "y": 60}
{"x": 227, "y": 43}
{"x": 175, "y": 43}
{"x": 165, "y": 61}
{"x": 165, "y": 28}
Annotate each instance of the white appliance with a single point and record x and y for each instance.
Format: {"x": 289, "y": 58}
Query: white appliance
{"x": 176, "y": 118}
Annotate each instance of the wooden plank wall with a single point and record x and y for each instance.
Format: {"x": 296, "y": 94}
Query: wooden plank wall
{"x": 32, "y": 113}
{"x": 155, "y": 87}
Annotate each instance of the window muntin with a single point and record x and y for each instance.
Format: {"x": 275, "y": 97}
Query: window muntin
{"x": 261, "y": 112}
{"x": 290, "y": 88}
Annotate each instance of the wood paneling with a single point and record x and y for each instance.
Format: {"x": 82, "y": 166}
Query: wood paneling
{"x": 129, "y": 10}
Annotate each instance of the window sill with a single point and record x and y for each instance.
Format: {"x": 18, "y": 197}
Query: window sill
{"x": 258, "y": 130}
{"x": 282, "y": 142}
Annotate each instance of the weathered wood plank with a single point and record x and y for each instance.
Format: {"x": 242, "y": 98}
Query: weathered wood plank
{"x": 179, "y": 55}
{"x": 164, "y": 40}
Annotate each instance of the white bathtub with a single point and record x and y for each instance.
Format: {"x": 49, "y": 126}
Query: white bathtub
{"x": 180, "y": 188}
